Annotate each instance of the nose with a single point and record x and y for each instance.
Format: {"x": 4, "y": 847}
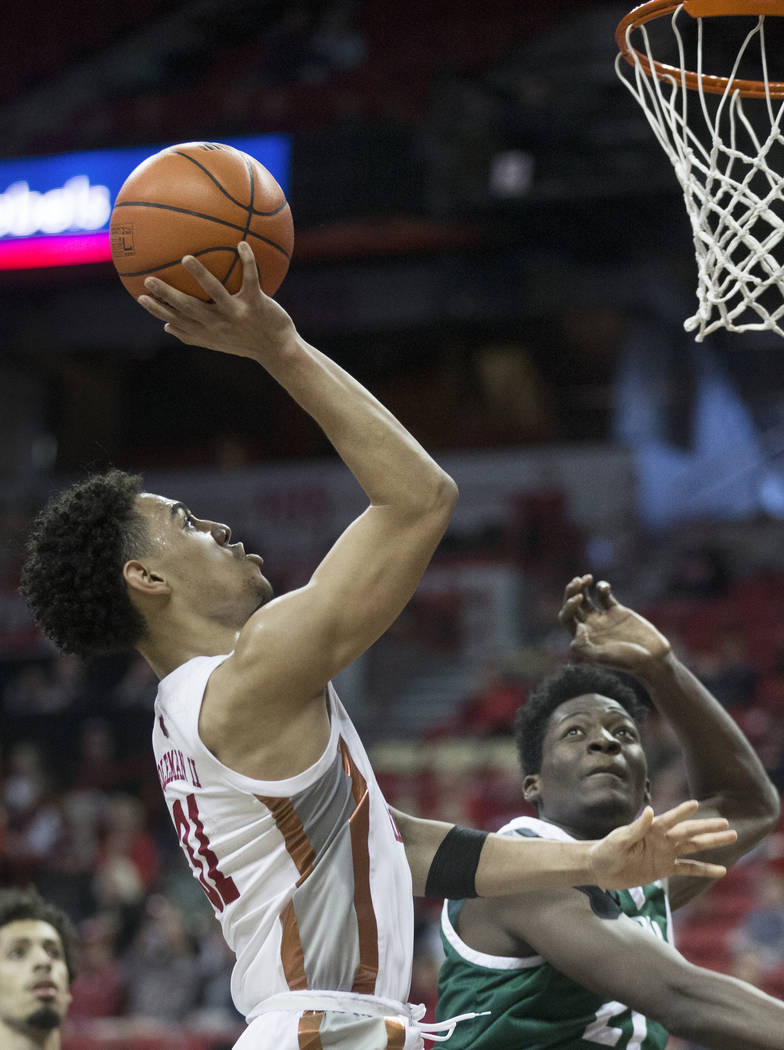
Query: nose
{"x": 41, "y": 959}
{"x": 222, "y": 533}
{"x": 604, "y": 742}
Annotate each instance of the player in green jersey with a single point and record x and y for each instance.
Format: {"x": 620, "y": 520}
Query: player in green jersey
{"x": 578, "y": 969}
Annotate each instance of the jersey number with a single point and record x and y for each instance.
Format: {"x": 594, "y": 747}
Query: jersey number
{"x": 219, "y": 888}
{"x": 599, "y": 1031}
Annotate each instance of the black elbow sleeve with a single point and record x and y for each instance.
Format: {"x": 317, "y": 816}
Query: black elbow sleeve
{"x": 453, "y": 871}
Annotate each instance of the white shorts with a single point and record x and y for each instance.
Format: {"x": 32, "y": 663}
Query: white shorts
{"x": 316, "y": 1030}
{"x": 314, "y": 1020}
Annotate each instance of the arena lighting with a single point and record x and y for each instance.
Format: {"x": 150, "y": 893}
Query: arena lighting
{"x": 54, "y": 210}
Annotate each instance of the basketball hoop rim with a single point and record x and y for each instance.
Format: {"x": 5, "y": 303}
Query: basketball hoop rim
{"x": 717, "y": 85}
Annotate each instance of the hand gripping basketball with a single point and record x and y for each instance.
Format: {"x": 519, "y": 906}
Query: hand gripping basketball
{"x": 200, "y": 199}
{"x": 246, "y": 324}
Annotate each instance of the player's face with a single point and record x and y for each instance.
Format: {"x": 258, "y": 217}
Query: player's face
{"x": 594, "y": 772}
{"x": 196, "y": 556}
{"x": 34, "y": 990}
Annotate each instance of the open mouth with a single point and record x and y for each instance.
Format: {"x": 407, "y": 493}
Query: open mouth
{"x": 45, "y": 988}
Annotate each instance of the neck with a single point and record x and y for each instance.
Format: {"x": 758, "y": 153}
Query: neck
{"x": 167, "y": 650}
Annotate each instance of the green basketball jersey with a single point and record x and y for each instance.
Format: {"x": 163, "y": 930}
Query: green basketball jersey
{"x": 532, "y": 1005}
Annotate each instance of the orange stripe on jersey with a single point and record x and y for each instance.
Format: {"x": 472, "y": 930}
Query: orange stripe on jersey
{"x": 291, "y": 954}
{"x": 298, "y": 845}
{"x": 359, "y": 825}
{"x": 308, "y": 1037}
{"x": 396, "y": 1035}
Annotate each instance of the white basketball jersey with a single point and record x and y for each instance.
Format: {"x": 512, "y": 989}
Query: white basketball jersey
{"x": 307, "y": 876}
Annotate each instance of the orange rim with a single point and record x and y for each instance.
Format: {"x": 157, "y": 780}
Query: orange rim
{"x": 716, "y": 85}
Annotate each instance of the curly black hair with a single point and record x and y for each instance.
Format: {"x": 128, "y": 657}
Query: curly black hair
{"x": 17, "y": 904}
{"x": 72, "y": 572}
{"x": 569, "y": 681}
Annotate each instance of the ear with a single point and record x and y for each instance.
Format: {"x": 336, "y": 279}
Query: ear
{"x": 647, "y": 795}
{"x": 532, "y": 787}
{"x": 143, "y": 580}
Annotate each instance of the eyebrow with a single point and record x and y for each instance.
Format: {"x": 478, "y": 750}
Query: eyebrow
{"x": 26, "y": 942}
{"x": 623, "y": 715}
{"x": 177, "y": 507}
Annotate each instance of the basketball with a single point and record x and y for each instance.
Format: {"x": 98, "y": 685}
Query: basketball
{"x": 201, "y": 199}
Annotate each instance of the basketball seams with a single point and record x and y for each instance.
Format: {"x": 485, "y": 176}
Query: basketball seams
{"x": 252, "y": 187}
{"x": 209, "y": 218}
{"x": 224, "y": 191}
{"x": 202, "y": 215}
{"x": 196, "y": 254}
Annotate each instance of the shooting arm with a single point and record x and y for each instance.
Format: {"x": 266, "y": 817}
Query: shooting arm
{"x": 288, "y": 650}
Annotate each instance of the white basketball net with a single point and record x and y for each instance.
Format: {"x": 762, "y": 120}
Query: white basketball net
{"x": 733, "y": 193}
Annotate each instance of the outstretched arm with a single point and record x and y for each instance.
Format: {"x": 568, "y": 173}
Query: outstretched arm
{"x": 649, "y": 848}
{"x": 722, "y": 769}
{"x": 620, "y": 960}
{"x": 290, "y": 648}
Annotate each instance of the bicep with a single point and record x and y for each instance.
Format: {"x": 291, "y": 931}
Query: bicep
{"x": 616, "y": 958}
{"x": 302, "y": 639}
{"x": 421, "y": 839}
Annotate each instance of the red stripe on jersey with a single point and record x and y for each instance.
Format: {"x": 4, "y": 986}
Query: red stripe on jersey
{"x": 291, "y": 954}
{"x": 367, "y": 926}
{"x": 298, "y": 845}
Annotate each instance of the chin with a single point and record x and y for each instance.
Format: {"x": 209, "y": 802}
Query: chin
{"x": 604, "y": 815}
{"x": 44, "y": 1019}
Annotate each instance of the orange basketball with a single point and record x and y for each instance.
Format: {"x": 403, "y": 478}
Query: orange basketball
{"x": 202, "y": 199}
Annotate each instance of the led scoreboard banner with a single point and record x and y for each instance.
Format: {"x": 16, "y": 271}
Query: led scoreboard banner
{"x": 55, "y": 210}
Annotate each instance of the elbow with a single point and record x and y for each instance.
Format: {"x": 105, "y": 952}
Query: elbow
{"x": 440, "y": 496}
{"x": 770, "y": 818}
{"x": 764, "y": 816}
{"x": 450, "y": 493}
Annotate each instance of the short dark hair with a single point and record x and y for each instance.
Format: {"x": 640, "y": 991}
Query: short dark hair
{"x": 72, "y": 572}
{"x": 27, "y": 903}
{"x": 569, "y": 681}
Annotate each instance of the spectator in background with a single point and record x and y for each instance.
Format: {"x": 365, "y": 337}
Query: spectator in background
{"x": 99, "y": 988}
{"x": 162, "y": 967}
{"x": 37, "y": 944}
{"x": 701, "y": 571}
{"x": 761, "y": 933}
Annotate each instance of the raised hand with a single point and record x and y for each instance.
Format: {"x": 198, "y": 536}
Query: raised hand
{"x": 656, "y": 847}
{"x": 605, "y": 632}
{"x": 247, "y": 324}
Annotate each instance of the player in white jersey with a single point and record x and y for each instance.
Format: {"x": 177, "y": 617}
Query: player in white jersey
{"x": 270, "y": 791}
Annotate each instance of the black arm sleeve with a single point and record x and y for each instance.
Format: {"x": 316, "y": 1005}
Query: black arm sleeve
{"x": 453, "y": 870}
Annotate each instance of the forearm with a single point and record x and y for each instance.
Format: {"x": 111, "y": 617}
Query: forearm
{"x": 389, "y": 464}
{"x": 722, "y": 1013}
{"x": 720, "y": 762}
{"x": 506, "y": 865}
{"x": 509, "y": 866}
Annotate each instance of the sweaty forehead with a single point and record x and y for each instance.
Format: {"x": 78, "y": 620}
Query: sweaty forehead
{"x": 154, "y": 505}
{"x": 591, "y": 704}
{"x": 159, "y": 510}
